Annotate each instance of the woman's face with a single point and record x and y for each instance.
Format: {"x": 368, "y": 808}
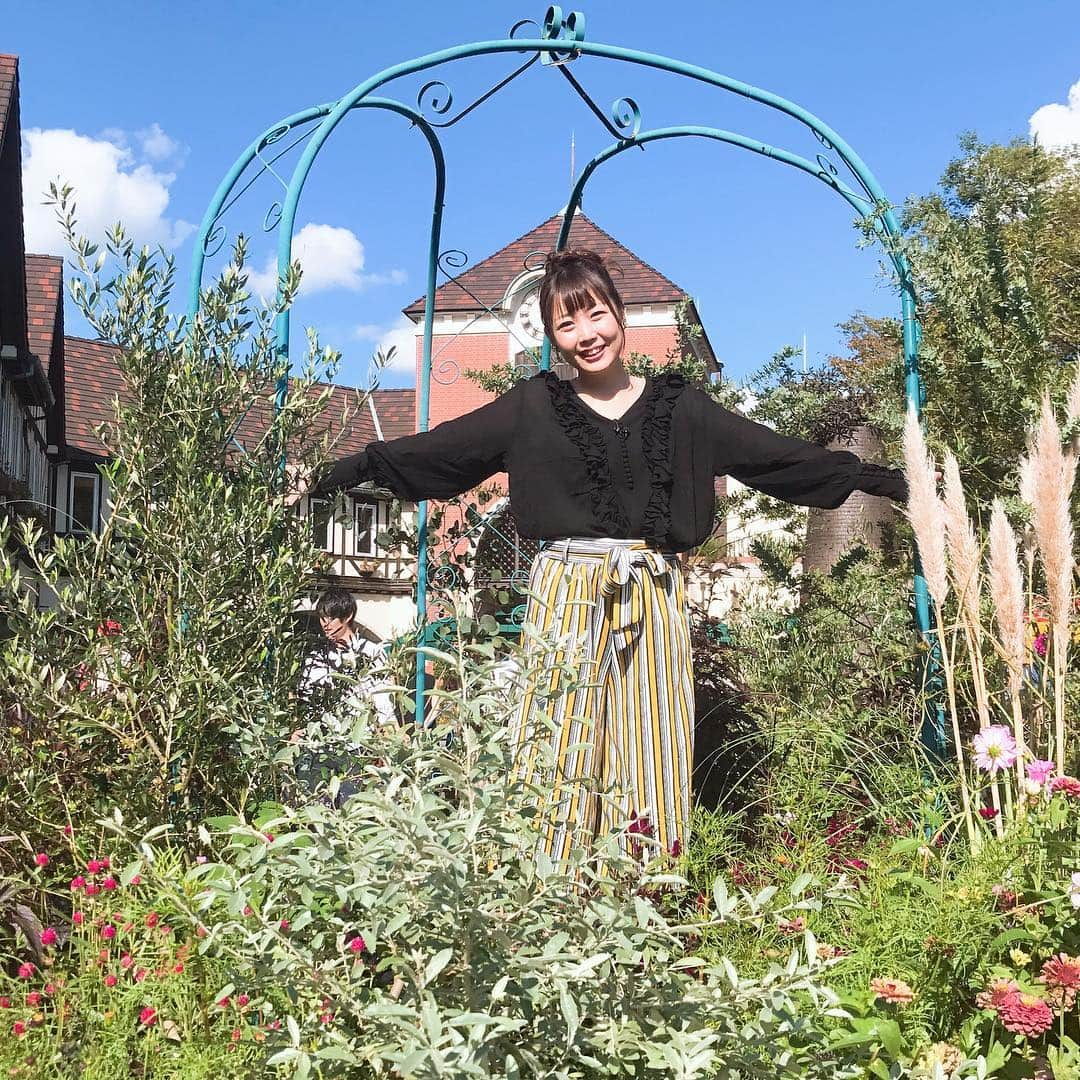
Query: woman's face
{"x": 591, "y": 339}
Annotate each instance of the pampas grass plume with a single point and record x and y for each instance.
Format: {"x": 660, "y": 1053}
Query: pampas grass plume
{"x": 1053, "y": 480}
{"x": 1007, "y": 590}
{"x": 963, "y": 546}
{"x": 924, "y": 509}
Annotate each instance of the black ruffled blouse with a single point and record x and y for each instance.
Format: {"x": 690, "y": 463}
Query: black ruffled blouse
{"x": 648, "y": 475}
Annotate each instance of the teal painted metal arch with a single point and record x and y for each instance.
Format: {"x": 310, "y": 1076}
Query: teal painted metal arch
{"x": 559, "y": 50}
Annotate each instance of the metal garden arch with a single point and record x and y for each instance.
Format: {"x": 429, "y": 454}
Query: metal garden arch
{"x": 559, "y": 42}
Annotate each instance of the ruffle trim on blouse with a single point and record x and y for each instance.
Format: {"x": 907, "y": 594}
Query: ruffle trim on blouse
{"x": 586, "y": 436}
{"x": 656, "y": 447}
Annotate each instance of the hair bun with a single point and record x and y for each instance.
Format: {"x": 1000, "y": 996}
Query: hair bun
{"x": 556, "y": 260}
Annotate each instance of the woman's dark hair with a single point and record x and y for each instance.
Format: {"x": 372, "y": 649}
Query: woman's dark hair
{"x": 336, "y": 603}
{"x": 576, "y": 279}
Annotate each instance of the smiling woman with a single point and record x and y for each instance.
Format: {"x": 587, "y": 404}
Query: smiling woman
{"x": 616, "y": 474}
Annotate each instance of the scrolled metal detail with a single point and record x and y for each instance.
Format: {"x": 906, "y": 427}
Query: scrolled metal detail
{"x": 447, "y": 373}
{"x": 278, "y": 133}
{"x": 519, "y": 580}
{"x": 430, "y": 91}
{"x": 444, "y": 576}
{"x": 524, "y": 22}
{"x": 553, "y": 22}
{"x": 827, "y": 143}
{"x": 213, "y": 241}
{"x": 272, "y": 218}
{"x": 626, "y": 116}
{"x": 575, "y": 26}
{"x": 454, "y": 258}
{"x": 535, "y": 260}
{"x": 517, "y": 615}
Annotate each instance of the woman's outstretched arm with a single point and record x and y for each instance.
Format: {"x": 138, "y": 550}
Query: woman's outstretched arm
{"x": 436, "y": 464}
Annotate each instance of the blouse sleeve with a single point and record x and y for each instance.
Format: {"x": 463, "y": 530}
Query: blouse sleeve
{"x": 794, "y": 470}
{"x": 436, "y": 464}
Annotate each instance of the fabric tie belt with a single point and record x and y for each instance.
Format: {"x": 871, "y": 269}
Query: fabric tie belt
{"x": 624, "y": 563}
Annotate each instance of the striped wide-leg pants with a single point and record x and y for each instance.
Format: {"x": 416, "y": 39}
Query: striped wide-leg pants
{"x": 613, "y": 700}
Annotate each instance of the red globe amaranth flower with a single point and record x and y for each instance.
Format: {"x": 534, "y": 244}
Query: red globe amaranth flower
{"x": 988, "y": 813}
{"x": 242, "y": 1000}
{"x": 1068, "y": 786}
{"x": 108, "y": 931}
{"x": 5, "y": 1003}
{"x": 136, "y": 879}
{"x": 108, "y": 884}
{"x": 357, "y": 944}
{"x": 283, "y": 926}
{"x": 248, "y": 910}
{"x": 26, "y": 971}
{"x": 1025, "y": 1014}
{"x": 78, "y": 882}
{"x": 111, "y": 979}
{"x": 225, "y": 1002}
{"x": 19, "y": 1028}
{"x": 1005, "y": 897}
{"x": 792, "y": 926}
{"x": 94, "y": 866}
{"x": 109, "y": 628}
{"x": 48, "y": 936}
{"x": 41, "y": 859}
{"x": 140, "y": 974}
{"x": 178, "y": 968}
{"x": 676, "y": 848}
{"x": 33, "y": 998}
{"x": 640, "y": 826}
{"x": 148, "y": 1016}
{"x": 126, "y": 961}
{"x": 92, "y": 889}
{"x": 152, "y": 919}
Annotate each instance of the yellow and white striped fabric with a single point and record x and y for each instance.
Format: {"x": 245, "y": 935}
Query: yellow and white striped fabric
{"x": 615, "y": 698}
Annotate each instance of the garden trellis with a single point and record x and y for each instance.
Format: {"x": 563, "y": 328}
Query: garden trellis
{"x": 558, "y": 44}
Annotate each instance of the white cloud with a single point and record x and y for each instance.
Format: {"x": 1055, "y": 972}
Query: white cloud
{"x": 1058, "y": 126}
{"x": 156, "y": 145}
{"x": 400, "y": 335}
{"x": 112, "y": 183}
{"x": 331, "y": 258}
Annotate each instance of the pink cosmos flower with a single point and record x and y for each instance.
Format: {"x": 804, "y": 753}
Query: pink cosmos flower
{"x": 1040, "y": 770}
{"x": 48, "y": 936}
{"x": 995, "y": 749}
{"x": 41, "y": 859}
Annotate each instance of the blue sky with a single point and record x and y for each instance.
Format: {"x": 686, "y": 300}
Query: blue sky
{"x": 144, "y": 106}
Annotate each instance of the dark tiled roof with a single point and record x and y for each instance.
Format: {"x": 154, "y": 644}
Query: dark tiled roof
{"x": 44, "y": 285}
{"x": 9, "y": 68}
{"x": 94, "y": 382}
{"x": 397, "y": 412}
{"x": 637, "y": 282}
